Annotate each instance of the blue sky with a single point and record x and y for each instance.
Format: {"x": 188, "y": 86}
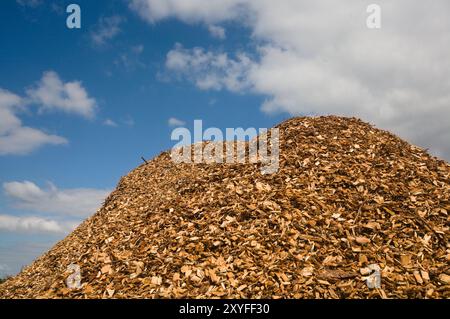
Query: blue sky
{"x": 134, "y": 65}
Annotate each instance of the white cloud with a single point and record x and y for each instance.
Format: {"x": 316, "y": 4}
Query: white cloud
{"x": 32, "y": 224}
{"x": 217, "y": 31}
{"x": 51, "y": 93}
{"x": 318, "y": 57}
{"x": 79, "y": 202}
{"x": 209, "y": 70}
{"x": 175, "y": 122}
{"x": 16, "y": 138}
{"x": 24, "y": 140}
{"x": 109, "y": 122}
{"x": 106, "y": 29}
{"x": 187, "y": 10}
{"x": 9, "y": 103}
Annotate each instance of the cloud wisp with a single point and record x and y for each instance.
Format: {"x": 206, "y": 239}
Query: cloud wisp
{"x": 217, "y": 31}
{"x": 29, "y": 3}
{"x": 130, "y": 60}
{"x": 52, "y": 94}
{"x": 110, "y": 123}
{"x": 106, "y": 29}
{"x": 173, "y": 122}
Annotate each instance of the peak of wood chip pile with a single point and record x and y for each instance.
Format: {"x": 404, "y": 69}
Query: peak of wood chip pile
{"x": 346, "y": 196}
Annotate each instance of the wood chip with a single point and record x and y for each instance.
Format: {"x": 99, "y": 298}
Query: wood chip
{"x": 418, "y": 277}
{"x": 445, "y": 279}
{"x": 362, "y": 240}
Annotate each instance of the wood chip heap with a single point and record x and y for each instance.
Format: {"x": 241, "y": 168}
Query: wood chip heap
{"x": 347, "y": 197}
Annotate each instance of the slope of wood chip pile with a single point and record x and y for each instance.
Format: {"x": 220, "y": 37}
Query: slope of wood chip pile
{"x": 346, "y": 196}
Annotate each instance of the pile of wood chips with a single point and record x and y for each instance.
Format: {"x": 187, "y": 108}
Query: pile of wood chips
{"x": 346, "y": 196}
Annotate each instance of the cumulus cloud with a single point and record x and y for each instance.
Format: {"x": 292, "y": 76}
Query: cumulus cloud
{"x": 15, "y": 138}
{"x": 9, "y": 102}
{"x": 175, "y": 122}
{"x": 210, "y": 70}
{"x": 188, "y": 11}
{"x": 318, "y": 57}
{"x": 33, "y": 224}
{"x": 80, "y": 202}
{"x": 106, "y": 29}
{"x": 24, "y": 140}
{"x": 51, "y": 93}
